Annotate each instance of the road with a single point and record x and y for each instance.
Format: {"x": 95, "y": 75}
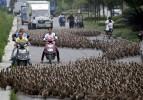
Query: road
{"x": 66, "y": 54}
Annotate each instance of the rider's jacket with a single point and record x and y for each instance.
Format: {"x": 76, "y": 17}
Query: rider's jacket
{"x": 23, "y": 40}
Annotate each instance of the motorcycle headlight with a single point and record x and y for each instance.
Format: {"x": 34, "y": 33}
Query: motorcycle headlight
{"x": 22, "y": 51}
{"x": 50, "y": 50}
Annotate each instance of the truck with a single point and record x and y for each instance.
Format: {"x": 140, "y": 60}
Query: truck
{"x": 40, "y": 11}
{"x": 25, "y": 17}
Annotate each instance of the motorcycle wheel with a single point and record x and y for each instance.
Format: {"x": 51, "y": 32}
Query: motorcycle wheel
{"x": 18, "y": 62}
{"x": 22, "y": 63}
{"x": 25, "y": 63}
{"x": 14, "y": 61}
{"x": 50, "y": 59}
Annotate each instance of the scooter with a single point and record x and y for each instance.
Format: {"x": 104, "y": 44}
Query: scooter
{"x": 50, "y": 50}
{"x": 22, "y": 56}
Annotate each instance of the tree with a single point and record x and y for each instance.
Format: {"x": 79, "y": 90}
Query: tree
{"x": 134, "y": 15}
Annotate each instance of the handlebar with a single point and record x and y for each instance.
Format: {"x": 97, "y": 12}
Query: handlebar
{"x": 22, "y": 45}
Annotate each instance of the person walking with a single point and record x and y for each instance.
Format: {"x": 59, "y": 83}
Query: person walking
{"x": 71, "y": 21}
{"x": 34, "y": 23}
{"x": 109, "y": 26}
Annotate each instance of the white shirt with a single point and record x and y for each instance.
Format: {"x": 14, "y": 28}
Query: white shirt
{"x": 51, "y": 36}
{"x": 109, "y": 25}
{"x": 34, "y": 21}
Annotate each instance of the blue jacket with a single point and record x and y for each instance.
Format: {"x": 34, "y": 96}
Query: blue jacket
{"x": 25, "y": 35}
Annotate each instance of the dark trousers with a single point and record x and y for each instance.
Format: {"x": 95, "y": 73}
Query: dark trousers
{"x": 58, "y": 55}
{"x": 71, "y": 24}
{"x": 33, "y": 26}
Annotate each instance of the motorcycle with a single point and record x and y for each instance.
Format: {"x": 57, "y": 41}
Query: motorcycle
{"x": 50, "y": 51}
{"x": 22, "y": 55}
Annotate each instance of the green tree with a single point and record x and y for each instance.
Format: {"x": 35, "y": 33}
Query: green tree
{"x": 134, "y": 15}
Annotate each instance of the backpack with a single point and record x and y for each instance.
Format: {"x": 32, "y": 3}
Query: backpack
{"x": 62, "y": 19}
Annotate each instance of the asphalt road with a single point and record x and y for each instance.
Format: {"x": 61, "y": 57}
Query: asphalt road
{"x": 66, "y": 54}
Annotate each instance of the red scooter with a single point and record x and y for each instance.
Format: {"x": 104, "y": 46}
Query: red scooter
{"x": 50, "y": 50}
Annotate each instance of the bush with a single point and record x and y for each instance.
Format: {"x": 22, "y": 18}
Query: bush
{"x": 13, "y": 95}
{"x": 101, "y": 23}
{"x": 117, "y": 26}
{"x": 5, "y": 26}
{"x": 120, "y": 20}
{"x": 93, "y": 18}
{"x": 126, "y": 34}
{"x": 116, "y": 17}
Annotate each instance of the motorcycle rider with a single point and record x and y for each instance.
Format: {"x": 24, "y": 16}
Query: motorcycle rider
{"x": 109, "y": 26}
{"x": 52, "y": 35}
{"x": 20, "y": 39}
{"x": 16, "y": 35}
{"x": 25, "y": 34}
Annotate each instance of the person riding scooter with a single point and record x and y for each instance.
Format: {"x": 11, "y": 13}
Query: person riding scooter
{"x": 109, "y": 27}
{"x": 20, "y": 40}
{"x": 52, "y": 36}
{"x": 16, "y": 35}
{"x": 25, "y": 34}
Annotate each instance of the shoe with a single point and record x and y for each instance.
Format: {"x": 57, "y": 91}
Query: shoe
{"x": 58, "y": 61}
{"x": 41, "y": 62}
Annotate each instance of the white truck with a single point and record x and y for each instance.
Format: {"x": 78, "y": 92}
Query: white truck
{"x": 41, "y": 11}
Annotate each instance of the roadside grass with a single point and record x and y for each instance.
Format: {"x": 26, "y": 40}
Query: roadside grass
{"x": 13, "y": 95}
{"x": 5, "y": 27}
{"x": 120, "y": 29}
